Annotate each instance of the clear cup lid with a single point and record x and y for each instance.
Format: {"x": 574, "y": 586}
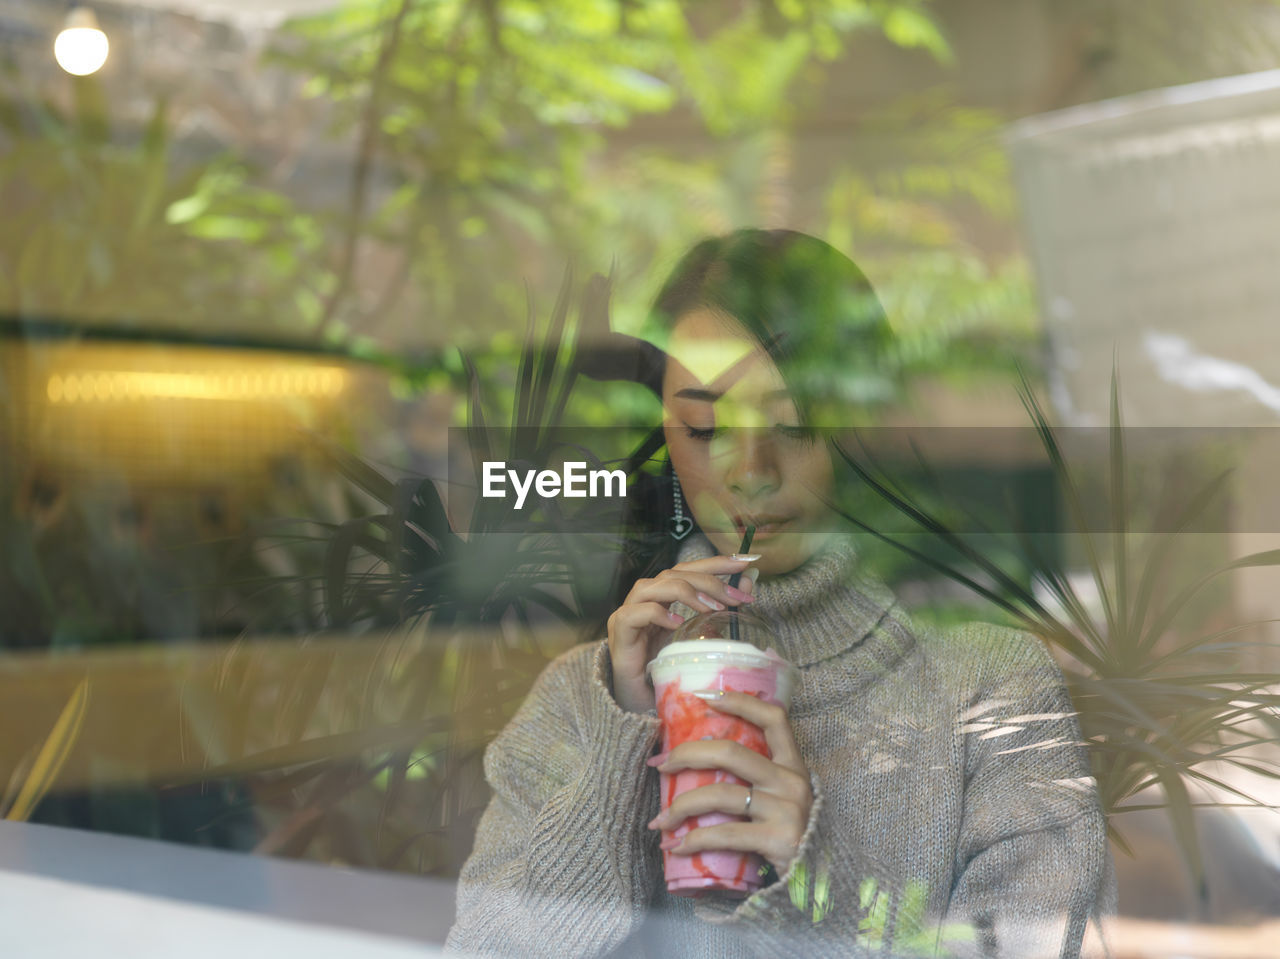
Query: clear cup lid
{"x": 718, "y": 652}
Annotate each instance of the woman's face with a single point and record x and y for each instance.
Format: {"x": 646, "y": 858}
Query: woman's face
{"x": 737, "y": 446}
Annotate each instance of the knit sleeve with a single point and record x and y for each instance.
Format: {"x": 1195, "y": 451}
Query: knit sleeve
{"x": 835, "y": 900}
{"x": 1033, "y": 871}
{"x": 563, "y": 864}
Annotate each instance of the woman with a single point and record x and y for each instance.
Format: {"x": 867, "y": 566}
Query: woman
{"x": 924, "y": 792}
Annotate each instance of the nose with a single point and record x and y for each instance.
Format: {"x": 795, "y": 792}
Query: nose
{"x": 751, "y": 466}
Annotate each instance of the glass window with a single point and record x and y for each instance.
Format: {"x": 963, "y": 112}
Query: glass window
{"x": 384, "y": 381}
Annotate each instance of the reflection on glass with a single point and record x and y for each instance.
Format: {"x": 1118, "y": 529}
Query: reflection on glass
{"x": 256, "y": 267}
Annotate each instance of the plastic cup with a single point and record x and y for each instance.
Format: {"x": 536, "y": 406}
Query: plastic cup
{"x": 702, "y": 657}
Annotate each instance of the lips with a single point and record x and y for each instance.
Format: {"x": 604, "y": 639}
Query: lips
{"x": 764, "y": 523}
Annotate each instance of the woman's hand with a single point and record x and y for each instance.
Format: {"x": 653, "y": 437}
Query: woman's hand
{"x": 781, "y": 798}
{"x": 641, "y": 625}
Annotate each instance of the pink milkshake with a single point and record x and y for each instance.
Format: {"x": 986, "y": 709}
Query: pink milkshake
{"x": 680, "y": 669}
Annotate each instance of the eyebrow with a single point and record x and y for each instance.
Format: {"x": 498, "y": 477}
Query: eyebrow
{"x": 710, "y": 396}
{"x": 731, "y": 375}
{"x": 697, "y": 393}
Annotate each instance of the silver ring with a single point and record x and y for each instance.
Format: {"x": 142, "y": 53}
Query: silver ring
{"x": 746, "y": 807}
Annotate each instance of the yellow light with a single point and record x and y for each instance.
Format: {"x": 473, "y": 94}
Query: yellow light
{"x": 334, "y": 380}
{"x": 81, "y": 48}
{"x": 116, "y": 385}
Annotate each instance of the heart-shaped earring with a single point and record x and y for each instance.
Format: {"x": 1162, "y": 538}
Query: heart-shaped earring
{"x": 680, "y": 524}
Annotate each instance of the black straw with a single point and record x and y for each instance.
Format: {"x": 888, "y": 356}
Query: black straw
{"x": 745, "y": 548}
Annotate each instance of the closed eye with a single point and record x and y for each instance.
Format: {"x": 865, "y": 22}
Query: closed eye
{"x": 700, "y": 433}
{"x": 796, "y": 432}
{"x": 708, "y": 433}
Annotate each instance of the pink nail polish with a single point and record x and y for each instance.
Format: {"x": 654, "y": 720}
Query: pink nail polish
{"x": 675, "y": 618}
{"x": 739, "y": 595}
{"x": 657, "y": 760}
{"x": 668, "y": 844}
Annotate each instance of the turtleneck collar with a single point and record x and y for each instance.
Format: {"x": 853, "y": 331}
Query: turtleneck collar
{"x": 826, "y": 609}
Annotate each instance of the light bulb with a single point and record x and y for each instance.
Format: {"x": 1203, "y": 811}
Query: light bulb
{"x": 81, "y": 48}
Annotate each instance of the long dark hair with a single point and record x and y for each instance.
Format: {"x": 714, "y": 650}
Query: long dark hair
{"x": 805, "y": 302}
{"x": 815, "y": 313}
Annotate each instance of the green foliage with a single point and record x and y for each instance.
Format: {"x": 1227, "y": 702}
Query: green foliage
{"x": 908, "y": 207}
{"x": 501, "y": 558}
{"x": 460, "y": 604}
{"x": 489, "y": 143}
{"x": 99, "y": 228}
{"x": 483, "y": 156}
{"x": 1161, "y": 702}
{"x": 481, "y": 129}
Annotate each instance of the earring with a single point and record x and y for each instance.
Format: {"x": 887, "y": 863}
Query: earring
{"x": 680, "y": 524}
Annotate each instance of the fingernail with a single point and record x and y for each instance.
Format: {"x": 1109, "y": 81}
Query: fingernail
{"x": 704, "y": 598}
{"x": 752, "y": 573}
{"x": 657, "y": 760}
{"x": 739, "y": 595}
{"x": 675, "y": 617}
{"x": 746, "y": 557}
{"x": 709, "y": 694}
{"x": 668, "y": 844}
{"x": 656, "y": 822}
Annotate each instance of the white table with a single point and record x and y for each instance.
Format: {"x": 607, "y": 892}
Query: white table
{"x": 70, "y": 893}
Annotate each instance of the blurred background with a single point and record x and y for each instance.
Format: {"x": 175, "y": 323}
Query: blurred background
{"x": 257, "y": 257}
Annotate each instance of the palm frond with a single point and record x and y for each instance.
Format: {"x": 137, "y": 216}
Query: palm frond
{"x": 1155, "y": 708}
{"x": 477, "y": 591}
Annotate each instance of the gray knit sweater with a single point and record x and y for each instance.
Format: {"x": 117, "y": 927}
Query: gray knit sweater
{"x": 953, "y": 810}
